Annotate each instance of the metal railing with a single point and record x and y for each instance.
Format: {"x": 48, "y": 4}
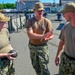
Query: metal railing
{"x": 17, "y": 20}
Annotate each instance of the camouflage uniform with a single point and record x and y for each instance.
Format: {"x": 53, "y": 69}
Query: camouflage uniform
{"x": 67, "y": 41}
{"x": 67, "y": 66}
{"x": 6, "y": 67}
{"x": 39, "y": 52}
{"x": 38, "y": 47}
{"x": 40, "y": 58}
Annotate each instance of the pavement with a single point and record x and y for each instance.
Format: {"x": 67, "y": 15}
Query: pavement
{"x": 19, "y": 42}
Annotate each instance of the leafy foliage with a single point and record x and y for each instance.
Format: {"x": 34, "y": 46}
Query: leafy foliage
{"x": 7, "y": 6}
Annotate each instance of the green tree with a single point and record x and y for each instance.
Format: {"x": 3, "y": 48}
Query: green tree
{"x": 7, "y": 6}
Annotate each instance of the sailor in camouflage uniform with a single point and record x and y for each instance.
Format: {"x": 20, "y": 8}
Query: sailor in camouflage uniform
{"x": 39, "y": 31}
{"x": 6, "y": 61}
{"x": 67, "y": 42}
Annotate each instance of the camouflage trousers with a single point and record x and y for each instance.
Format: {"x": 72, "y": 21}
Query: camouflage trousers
{"x": 40, "y": 58}
{"x": 6, "y": 67}
{"x": 67, "y": 66}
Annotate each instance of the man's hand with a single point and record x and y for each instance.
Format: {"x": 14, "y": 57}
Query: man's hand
{"x": 9, "y": 56}
{"x": 57, "y": 61}
{"x": 48, "y": 36}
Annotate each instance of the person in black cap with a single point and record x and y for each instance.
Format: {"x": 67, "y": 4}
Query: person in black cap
{"x": 39, "y": 31}
{"x": 67, "y": 42}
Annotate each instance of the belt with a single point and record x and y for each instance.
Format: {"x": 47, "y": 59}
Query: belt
{"x": 38, "y": 45}
{"x": 3, "y": 58}
{"x": 69, "y": 57}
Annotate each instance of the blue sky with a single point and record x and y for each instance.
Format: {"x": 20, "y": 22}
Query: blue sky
{"x": 13, "y": 1}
